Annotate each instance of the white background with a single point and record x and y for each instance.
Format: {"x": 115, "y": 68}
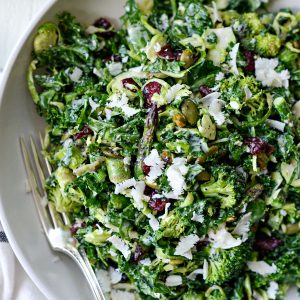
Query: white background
{"x": 14, "y": 18}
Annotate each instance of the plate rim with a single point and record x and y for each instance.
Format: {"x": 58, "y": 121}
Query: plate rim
{"x": 45, "y": 7}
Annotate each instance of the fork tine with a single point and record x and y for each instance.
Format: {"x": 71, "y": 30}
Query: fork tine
{"x": 37, "y": 161}
{"x": 55, "y": 217}
{"x": 34, "y": 187}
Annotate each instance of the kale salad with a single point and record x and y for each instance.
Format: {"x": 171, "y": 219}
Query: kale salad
{"x": 174, "y": 142}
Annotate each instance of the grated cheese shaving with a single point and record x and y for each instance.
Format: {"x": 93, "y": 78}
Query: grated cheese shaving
{"x": 261, "y": 267}
{"x": 120, "y": 245}
{"x": 156, "y": 165}
{"x": 265, "y": 72}
{"x": 185, "y": 245}
{"x": 222, "y": 238}
{"x": 173, "y": 280}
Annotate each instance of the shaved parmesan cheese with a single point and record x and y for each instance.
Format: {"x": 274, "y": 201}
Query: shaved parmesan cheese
{"x": 193, "y": 275}
{"x": 121, "y": 295}
{"x": 243, "y": 226}
{"x": 93, "y": 104}
{"x": 205, "y": 269}
{"x": 76, "y": 74}
{"x": 197, "y": 218}
{"x": 120, "y": 245}
{"x": 265, "y": 72}
{"x": 276, "y": 124}
{"x": 233, "y": 55}
{"x": 108, "y": 113}
{"x": 121, "y": 101}
{"x": 261, "y": 267}
{"x": 145, "y": 262}
{"x": 185, "y": 245}
{"x": 115, "y": 275}
{"x": 248, "y": 93}
{"x": 273, "y": 290}
{"x": 104, "y": 280}
{"x": 156, "y": 165}
{"x": 214, "y": 105}
{"x": 173, "y": 280}
{"x": 175, "y": 175}
{"x": 153, "y": 222}
{"x": 166, "y": 211}
{"x": 216, "y": 17}
{"x": 99, "y": 73}
{"x": 114, "y": 68}
{"x": 137, "y": 194}
{"x": 122, "y": 186}
{"x": 177, "y": 90}
{"x": 127, "y": 160}
{"x": 222, "y": 238}
{"x": 220, "y": 76}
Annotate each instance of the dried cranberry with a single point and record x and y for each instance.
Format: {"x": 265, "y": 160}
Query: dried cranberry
{"x": 149, "y": 191}
{"x": 202, "y": 244}
{"x": 102, "y": 23}
{"x": 167, "y": 53}
{"x": 204, "y": 90}
{"x": 149, "y": 90}
{"x": 138, "y": 254}
{"x": 146, "y": 169}
{"x": 114, "y": 58}
{"x": 267, "y": 244}
{"x": 128, "y": 84}
{"x": 250, "y": 62}
{"x": 158, "y": 204}
{"x": 75, "y": 227}
{"x": 85, "y": 131}
{"x": 258, "y": 146}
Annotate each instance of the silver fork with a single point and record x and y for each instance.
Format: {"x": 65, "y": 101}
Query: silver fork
{"x": 53, "y": 221}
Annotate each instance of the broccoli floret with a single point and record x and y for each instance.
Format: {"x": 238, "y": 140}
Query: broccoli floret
{"x": 289, "y": 58}
{"x": 172, "y": 225}
{"x": 243, "y": 93}
{"x": 223, "y": 265}
{"x": 253, "y": 23}
{"x": 267, "y": 44}
{"x": 226, "y": 185}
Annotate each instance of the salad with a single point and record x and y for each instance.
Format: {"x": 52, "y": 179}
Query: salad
{"x": 174, "y": 143}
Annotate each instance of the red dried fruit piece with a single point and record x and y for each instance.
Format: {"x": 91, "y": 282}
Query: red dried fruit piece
{"x": 204, "y": 90}
{"x": 128, "y": 84}
{"x": 149, "y": 90}
{"x": 114, "y": 58}
{"x": 102, "y": 23}
{"x": 138, "y": 254}
{"x": 85, "y": 131}
{"x": 158, "y": 204}
{"x": 146, "y": 169}
{"x": 257, "y": 146}
{"x": 250, "y": 61}
{"x": 167, "y": 53}
{"x": 267, "y": 244}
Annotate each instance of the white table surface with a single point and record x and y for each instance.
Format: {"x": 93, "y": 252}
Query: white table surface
{"x": 14, "y": 18}
{"x": 15, "y": 15}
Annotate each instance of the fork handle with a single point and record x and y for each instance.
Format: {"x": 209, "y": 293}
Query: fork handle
{"x": 82, "y": 261}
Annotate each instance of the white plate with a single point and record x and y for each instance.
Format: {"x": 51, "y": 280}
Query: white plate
{"x": 56, "y": 275}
